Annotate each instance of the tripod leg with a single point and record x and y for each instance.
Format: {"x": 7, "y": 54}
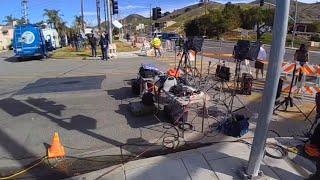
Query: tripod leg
{"x": 279, "y": 105}
{"x": 302, "y": 113}
{"x": 307, "y": 118}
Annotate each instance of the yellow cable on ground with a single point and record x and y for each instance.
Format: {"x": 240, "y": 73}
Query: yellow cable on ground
{"x": 24, "y": 170}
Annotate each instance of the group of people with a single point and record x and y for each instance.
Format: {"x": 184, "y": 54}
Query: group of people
{"x": 103, "y": 43}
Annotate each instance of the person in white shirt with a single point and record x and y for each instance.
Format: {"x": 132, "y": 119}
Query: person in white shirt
{"x": 259, "y": 64}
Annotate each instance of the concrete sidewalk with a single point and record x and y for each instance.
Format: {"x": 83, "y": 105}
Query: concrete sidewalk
{"x": 218, "y": 161}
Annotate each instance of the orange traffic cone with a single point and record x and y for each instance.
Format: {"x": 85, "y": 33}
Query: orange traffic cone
{"x": 56, "y": 149}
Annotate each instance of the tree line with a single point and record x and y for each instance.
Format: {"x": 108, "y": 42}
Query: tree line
{"x": 218, "y": 21}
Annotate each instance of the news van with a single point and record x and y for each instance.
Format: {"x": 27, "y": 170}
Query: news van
{"x": 28, "y": 41}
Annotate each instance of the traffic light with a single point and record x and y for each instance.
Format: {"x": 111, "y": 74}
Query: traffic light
{"x": 156, "y": 13}
{"x": 115, "y": 8}
{"x": 261, "y": 3}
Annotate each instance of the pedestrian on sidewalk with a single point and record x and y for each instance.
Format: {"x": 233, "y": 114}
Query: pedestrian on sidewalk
{"x": 156, "y": 44}
{"x": 93, "y": 44}
{"x": 259, "y": 64}
{"x": 104, "y": 43}
{"x": 128, "y": 37}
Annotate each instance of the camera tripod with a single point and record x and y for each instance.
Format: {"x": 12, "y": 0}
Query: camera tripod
{"x": 219, "y": 86}
{"x": 289, "y": 99}
{"x": 185, "y": 64}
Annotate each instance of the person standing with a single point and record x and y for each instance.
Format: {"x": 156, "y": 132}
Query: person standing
{"x": 156, "y": 44}
{"x": 259, "y": 64}
{"x": 93, "y": 44}
{"x": 302, "y": 56}
{"x": 128, "y": 37}
{"x": 104, "y": 42}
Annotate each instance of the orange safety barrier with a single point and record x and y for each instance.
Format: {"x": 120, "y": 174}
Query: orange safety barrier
{"x": 56, "y": 149}
{"x": 174, "y": 73}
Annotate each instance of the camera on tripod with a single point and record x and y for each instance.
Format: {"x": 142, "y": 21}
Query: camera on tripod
{"x": 245, "y": 49}
{"x": 194, "y": 43}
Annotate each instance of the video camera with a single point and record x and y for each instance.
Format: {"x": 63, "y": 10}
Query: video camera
{"x": 194, "y": 43}
{"x": 245, "y": 49}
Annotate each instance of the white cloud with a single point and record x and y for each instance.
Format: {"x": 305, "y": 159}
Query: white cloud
{"x": 129, "y": 7}
{"x": 89, "y": 13}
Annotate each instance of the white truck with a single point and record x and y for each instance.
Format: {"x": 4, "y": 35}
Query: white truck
{"x": 53, "y": 36}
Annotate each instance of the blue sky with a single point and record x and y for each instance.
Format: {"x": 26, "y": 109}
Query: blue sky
{"x": 70, "y": 8}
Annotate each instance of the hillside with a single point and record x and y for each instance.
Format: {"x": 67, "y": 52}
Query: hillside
{"x": 306, "y": 12}
{"x": 135, "y": 19}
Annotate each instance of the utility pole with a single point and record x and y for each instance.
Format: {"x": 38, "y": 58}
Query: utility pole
{"x": 279, "y": 34}
{"x": 294, "y": 29}
{"x": 25, "y": 14}
{"x": 105, "y": 14}
{"x": 150, "y": 20}
{"x": 109, "y": 21}
{"x": 98, "y": 14}
{"x": 82, "y": 17}
{"x": 205, "y": 6}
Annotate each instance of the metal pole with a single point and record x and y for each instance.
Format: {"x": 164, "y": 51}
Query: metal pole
{"x": 295, "y": 24}
{"x": 274, "y": 68}
{"x": 82, "y": 17}
{"x": 150, "y": 21}
{"x": 109, "y": 21}
{"x": 105, "y": 14}
{"x": 98, "y": 14}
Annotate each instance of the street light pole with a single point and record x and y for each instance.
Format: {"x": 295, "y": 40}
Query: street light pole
{"x": 279, "y": 34}
{"x": 295, "y": 24}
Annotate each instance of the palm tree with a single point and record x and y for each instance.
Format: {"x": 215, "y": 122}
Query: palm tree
{"x": 9, "y": 20}
{"x": 77, "y": 23}
{"x": 55, "y": 20}
{"x": 54, "y": 17}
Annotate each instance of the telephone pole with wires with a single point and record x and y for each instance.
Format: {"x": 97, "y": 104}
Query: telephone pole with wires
{"x": 24, "y": 4}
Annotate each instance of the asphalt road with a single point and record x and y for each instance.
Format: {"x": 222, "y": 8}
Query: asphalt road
{"x": 227, "y": 48}
{"x": 84, "y": 101}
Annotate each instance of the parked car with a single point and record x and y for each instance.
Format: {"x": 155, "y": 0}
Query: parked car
{"x": 170, "y": 36}
{"x": 28, "y": 41}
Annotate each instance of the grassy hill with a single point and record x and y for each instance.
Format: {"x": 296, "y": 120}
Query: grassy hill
{"x": 306, "y": 12}
{"x": 135, "y": 19}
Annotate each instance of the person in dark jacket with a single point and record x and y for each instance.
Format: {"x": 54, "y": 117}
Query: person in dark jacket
{"x": 302, "y": 56}
{"x": 104, "y": 43}
{"x": 93, "y": 44}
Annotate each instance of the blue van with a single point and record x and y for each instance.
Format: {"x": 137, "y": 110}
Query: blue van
{"x": 28, "y": 41}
